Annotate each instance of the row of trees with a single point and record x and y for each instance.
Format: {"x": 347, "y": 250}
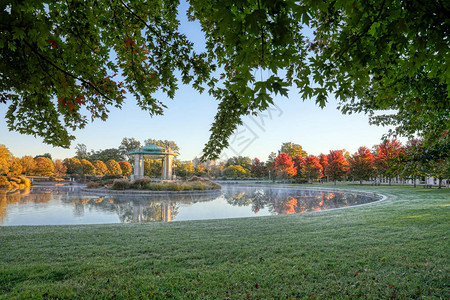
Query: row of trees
{"x": 389, "y": 159}
{"x": 44, "y": 165}
{"x": 113, "y": 161}
{"x": 75, "y": 166}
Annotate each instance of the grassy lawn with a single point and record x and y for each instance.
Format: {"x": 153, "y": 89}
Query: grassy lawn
{"x": 394, "y": 248}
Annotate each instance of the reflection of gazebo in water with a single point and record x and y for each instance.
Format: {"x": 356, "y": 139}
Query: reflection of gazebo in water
{"x": 155, "y": 152}
{"x": 164, "y": 211}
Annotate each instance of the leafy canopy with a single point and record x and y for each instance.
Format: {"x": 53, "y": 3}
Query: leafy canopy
{"x": 292, "y": 149}
{"x": 284, "y": 166}
{"x": 65, "y": 63}
{"x": 337, "y": 165}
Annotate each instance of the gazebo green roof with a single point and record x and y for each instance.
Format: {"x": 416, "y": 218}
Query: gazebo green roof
{"x": 154, "y": 150}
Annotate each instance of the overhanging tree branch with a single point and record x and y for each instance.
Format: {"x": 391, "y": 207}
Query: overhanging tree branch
{"x": 143, "y": 21}
{"x": 363, "y": 32}
{"x": 66, "y": 72}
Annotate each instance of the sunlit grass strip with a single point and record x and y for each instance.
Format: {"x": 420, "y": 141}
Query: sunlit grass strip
{"x": 395, "y": 248}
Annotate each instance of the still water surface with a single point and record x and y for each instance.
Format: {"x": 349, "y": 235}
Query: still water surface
{"x": 68, "y": 205}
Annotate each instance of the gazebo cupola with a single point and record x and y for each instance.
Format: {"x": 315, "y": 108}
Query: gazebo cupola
{"x": 155, "y": 152}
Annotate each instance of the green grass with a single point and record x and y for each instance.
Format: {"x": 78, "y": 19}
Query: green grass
{"x": 394, "y": 248}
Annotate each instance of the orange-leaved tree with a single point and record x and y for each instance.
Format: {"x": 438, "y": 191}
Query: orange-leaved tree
{"x": 87, "y": 167}
{"x": 43, "y": 166}
{"x": 74, "y": 166}
{"x": 362, "y": 164}
{"x": 284, "y": 166}
{"x": 113, "y": 167}
{"x": 299, "y": 162}
{"x": 323, "y": 158}
{"x": 27, "y": 164}
{"x": 337, "y": 165}
{"x": 60, "y": 167}
{"x": 5, "y": 160}
{"x": 386, "y": 159}
{"x": 312, "y": 169}
{"x": 125, "y": 166}
{"x": 16, "y": 166}
{"x": 100, "y": 168}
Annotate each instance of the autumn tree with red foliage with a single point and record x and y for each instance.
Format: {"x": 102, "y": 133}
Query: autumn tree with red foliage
{"x": 312, "y": 168}
{"x": 284, "y": 166}
{"x": 323, "y": 158}
{"x": 362, "y": 164}
{"x": 299, "y": 162}
{"x": 337, "y": 165}
{"x": 258, "y": 168}
{"x": 386, "y": 159}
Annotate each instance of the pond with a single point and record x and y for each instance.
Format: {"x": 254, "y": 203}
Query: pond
{"x": 68, "y": 205}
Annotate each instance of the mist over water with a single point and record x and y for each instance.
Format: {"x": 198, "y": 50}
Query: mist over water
{"x": 69, "y": 205}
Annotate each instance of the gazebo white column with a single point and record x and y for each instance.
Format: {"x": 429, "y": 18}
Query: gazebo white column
{"x": 167, "y": 167}
{"x": 136, "y": 166}
{"x": 141, "y": 165}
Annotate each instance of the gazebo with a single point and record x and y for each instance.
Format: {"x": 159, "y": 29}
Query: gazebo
{"x": 155, "y": 152}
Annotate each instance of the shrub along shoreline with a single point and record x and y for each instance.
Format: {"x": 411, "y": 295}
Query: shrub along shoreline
{"x": 14, "y": 182}
{"x": 395, "y": 248}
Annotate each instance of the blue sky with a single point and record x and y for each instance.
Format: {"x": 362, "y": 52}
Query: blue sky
{"x": 188, "y": 118}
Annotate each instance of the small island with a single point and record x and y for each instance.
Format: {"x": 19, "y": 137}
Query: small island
{"x": 193, "y": 184}
{"x": 146, "y": 184}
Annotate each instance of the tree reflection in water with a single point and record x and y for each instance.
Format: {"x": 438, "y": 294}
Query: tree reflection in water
{"x": 258, "y": 200}
{"x": 131, "y": 210}
{"x": 138, "y": 209}
{"x": 282, "y": 201}
{"x": 11, "y": 196}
